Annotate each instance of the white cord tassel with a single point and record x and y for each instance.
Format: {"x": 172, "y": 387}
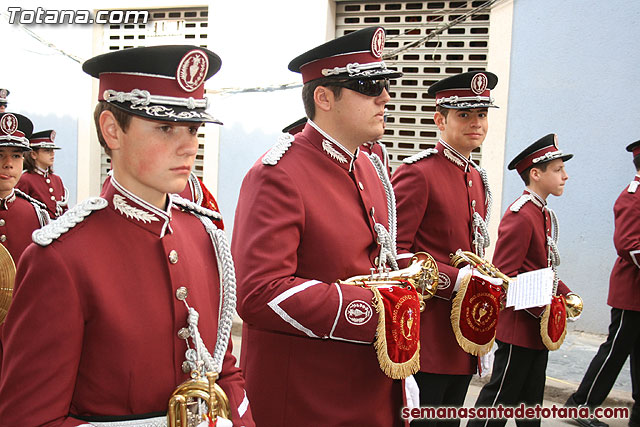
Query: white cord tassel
{"x": 387, "y": 239}
{"x": 552, "y": 242}
{"x": 480, "y": 231}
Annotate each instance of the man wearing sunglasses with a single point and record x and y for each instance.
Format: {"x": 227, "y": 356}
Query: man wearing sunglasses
{"x": 311, "y": 211}
{"x": 443, "y": 202}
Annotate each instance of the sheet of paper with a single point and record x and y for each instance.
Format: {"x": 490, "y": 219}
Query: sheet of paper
{"x": 531, "y": 289}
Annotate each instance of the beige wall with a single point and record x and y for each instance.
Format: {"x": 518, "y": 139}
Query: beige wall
{"x": 494, "y": 146}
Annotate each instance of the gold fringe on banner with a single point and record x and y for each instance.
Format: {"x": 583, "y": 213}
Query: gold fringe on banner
{"x": 397, "y": 371}
{"x": 544, "y": 331}
{"x": 456, "y": 310}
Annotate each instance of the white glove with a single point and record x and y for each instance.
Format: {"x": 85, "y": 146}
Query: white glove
{"x": 486, "y": 362}
{"x": 466, "y": 270}
{"x": 412, "y": 392}
{"x": 462, "y": 273}
{"x": 573, "y": 319}
{"x": 493, "y": 280}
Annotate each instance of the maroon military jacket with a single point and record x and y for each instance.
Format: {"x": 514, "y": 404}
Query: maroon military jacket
{"x": 436, "y": 195}
{"x": 47, "y": 188}
{"x": 521, "y": 247}
{"x": 96, "y": 315}
{"x": 305, "y": 218}
{"x": 18, "y": 218}
{"x": 379, "y": 150}
{"x": 624, "y": 285}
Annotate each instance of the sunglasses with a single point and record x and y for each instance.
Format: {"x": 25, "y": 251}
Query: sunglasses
{"x": 365, "y": 87}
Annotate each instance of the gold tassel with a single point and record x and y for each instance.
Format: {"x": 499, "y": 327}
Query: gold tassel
{"x": 397, "y": 371}
{"x": 456, "y": 311}
{"x": 544, "y": 331}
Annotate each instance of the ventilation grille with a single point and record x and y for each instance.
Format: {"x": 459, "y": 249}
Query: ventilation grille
{"x": 463, "y": 47}
{"x": 164, "y": 26}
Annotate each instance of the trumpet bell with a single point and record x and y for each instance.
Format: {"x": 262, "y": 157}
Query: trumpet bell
{"x": 422, "y": 274}
{"x": 185, "y": 405}
{"x": 573, "y": 304}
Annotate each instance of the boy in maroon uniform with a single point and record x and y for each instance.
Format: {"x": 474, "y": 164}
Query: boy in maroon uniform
{"x": 129, "y": 294}
{"x": 20, "y": 214}
{"x": 443, "y": 204}
{"x": 38, "y": 180}
{"x": 526, "y": 242}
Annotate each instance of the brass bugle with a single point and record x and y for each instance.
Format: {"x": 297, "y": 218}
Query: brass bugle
{"x": 184, "y": 404}
{"x": 573, "y": 302}
{"x": 422, "y": 274}
{"x": 480, "y": 264}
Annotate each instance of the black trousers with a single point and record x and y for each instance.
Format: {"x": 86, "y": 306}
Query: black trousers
{"x": 623, "y": 340}
{"x": 439, "y": 390}
{"x": 518, "y": 376}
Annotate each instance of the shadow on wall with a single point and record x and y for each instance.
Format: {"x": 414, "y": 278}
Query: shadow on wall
{"x": 239, "y": 150}
{"x": 66, "y": 160}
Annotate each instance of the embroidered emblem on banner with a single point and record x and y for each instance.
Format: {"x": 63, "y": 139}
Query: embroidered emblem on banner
{"x": 9, "y": 124}
{"x": 474, "y": 315}
{"x": 479, "y": 83}
{"x": 398, "y": 333}
{"x": 358, "y": 312}
{"x": 377, "y": 43}
{"x": 553, "y": 324}
{"x": 120, "y": 204}
{"x": 192, "y": 70}
{"x": 332, "y": 152}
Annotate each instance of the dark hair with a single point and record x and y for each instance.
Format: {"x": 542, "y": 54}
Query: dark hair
{"x": 309, "y": 88}
{"x": 29, "y": 163}
{"x": 525, "y": 173}
{"x": 636, "y": 162}
{"x": 122, "y": 118}
{"x": 442, "y": 110}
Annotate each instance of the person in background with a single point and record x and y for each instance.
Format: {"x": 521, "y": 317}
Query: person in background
{"x": 624, "y": 298}
{"x": 38, "y": 179}
{"x": 4, "y": 93}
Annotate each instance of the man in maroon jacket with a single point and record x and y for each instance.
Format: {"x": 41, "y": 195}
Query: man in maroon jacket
{"x": 624, "y": 299}
{"x": 443, "y": 203}
{"x": 525, "y": 243}
{"x": 311, "y": 211}
{"x": 127, "y": 295}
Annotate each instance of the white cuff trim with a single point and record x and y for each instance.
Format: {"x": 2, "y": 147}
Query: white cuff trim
{"x": 634, "y": 257}
{"x": 274, "y": 305}
{"x": 244, "y": 405}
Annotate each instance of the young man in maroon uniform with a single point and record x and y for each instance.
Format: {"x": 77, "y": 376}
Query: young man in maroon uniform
{"x": 38, "y": 180}
{"x": 624, "y": 299}
{"x": 443, "y": 203}
{"x": 129, "y": 294}
{"x": 526, "y": 242}
{"x": 20, "y": 214}
{"x": 375, "y": 147}
{"x": 311, "y": 211}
